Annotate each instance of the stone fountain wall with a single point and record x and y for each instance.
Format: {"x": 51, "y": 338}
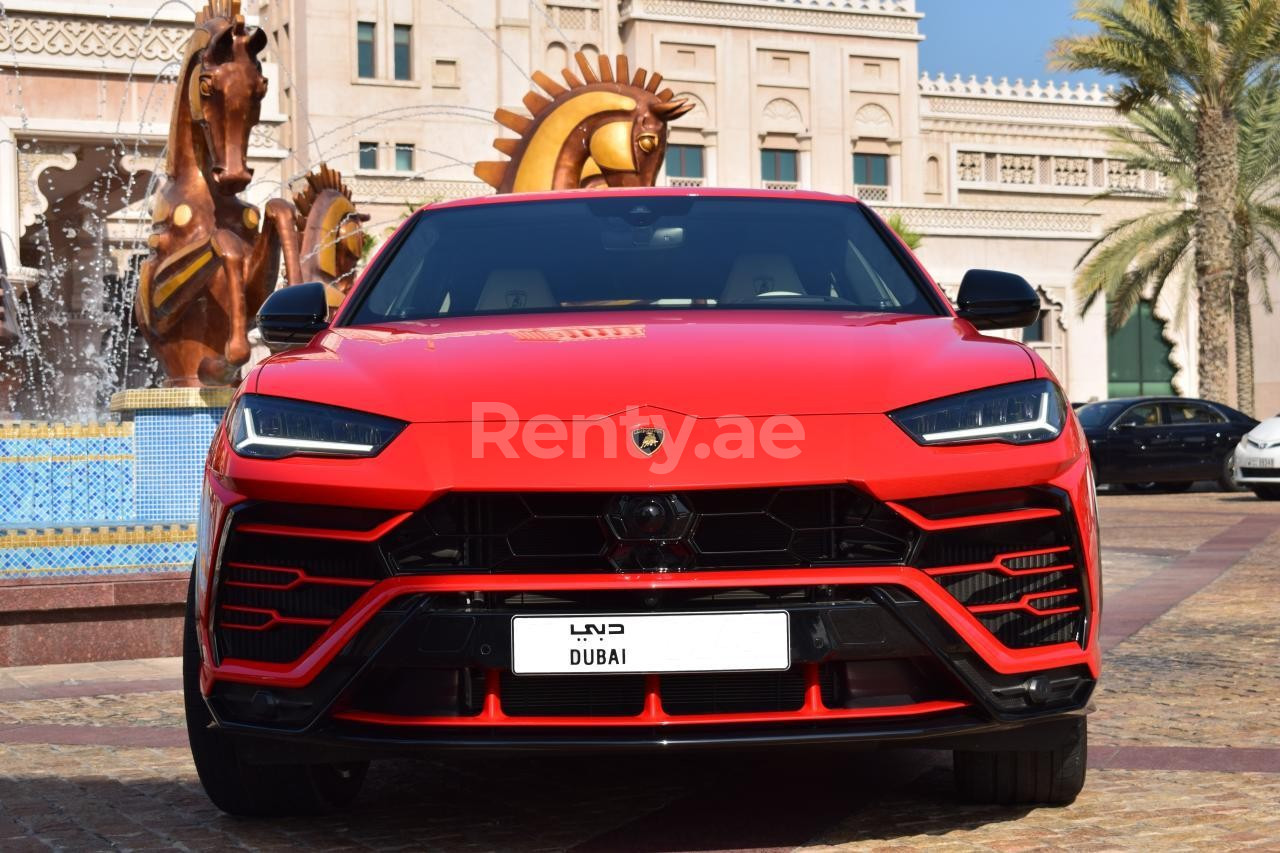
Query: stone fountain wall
{"x": 98, "y": 527}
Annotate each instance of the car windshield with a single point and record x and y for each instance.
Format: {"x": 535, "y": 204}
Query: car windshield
{"x": 622, "y": 253}
{"x": 1098, "y": 414}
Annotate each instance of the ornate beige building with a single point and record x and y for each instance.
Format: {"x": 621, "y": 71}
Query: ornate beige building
{"x": 398, "y": 94}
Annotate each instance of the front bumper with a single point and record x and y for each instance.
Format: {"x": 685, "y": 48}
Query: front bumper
{"x": 869, "y": 663}
{"x": 370, "y": 679}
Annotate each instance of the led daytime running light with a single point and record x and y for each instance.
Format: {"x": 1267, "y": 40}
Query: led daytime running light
{"x": 1040, "y": 423}
{"x": 252, "y": 439}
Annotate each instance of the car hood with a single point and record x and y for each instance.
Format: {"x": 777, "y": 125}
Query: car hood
{"x": 1267, "y": 432}
{"x": 707, "y": 364}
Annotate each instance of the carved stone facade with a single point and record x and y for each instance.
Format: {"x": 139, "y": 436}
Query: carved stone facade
{"x": 993, "y": 173}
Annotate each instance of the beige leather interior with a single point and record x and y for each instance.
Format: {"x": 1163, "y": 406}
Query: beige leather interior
{"x": 757, "y": 274}
{"x": 515, "y": 290}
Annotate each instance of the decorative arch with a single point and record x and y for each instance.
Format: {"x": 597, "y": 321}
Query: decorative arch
{"x": 698, "y": 118}
{"x": 783, "y": 116}
{"x": 873, "y": 120}
{"x": 933, "y": 175}
{"x": 591, "y": 52}
{"x": 557, "y": 55}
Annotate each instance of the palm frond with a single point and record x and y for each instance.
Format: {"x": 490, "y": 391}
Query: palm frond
{"x": 1127, "y": 256}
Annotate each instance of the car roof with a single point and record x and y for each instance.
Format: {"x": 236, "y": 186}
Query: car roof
{"x": 644, "y": 192}
{"x": 1165, "y": 399}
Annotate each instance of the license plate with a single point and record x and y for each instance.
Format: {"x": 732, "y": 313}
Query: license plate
{"x": 1259, "y": 462}
{"x": 650, "y": 642}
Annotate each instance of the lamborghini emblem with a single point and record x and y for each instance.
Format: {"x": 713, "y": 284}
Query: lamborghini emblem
{"x": 647, "y": 439}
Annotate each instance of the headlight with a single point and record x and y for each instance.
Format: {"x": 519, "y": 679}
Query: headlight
{"x": 274, "y": 427}
{"x": 1021, "y": 413}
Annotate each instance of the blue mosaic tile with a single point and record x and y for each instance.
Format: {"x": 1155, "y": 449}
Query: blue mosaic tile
{"x": 171, "y": 446}
{"x": 103, "y": 550}
{"x": 68, "y": 479}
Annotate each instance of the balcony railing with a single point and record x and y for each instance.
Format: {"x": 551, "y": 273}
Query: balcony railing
{"x": 871, "y": 192}
{"x": 781, "y": 185}
{"x": 684, "y": 181}
{"x": 1051, "y": 173}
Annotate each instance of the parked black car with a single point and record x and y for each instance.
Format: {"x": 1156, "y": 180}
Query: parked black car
{"x": 1162, "y": 443}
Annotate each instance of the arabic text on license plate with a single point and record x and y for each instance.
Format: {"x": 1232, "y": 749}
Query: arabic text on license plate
{"x": 651, "y": 642}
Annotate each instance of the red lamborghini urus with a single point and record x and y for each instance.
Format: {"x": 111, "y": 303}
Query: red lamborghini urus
{"x": 643, "y": 470}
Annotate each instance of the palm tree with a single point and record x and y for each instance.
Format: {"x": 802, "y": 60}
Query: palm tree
{"x": 898, "y": 224}
{"x": 1149, "y": 251}
{"x": 1197, "y": 57}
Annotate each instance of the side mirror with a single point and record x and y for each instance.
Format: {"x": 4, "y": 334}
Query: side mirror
{"x": 997, "y": 300}
{"x": 1132, "y": 423}
{"x": 292, "y": 316}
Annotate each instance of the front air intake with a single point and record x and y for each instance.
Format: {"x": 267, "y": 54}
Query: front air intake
{"x": 1012, "y": 558}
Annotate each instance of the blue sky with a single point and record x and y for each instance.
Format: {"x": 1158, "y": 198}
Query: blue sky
{"x": 1002, "y": 38}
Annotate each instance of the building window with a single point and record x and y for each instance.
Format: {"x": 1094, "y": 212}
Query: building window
{"x": 404, "y": 158}
{"x": 1036, "y": 332}
{"x": 365, "y": 33}
{"x": 871, "y": 170}
{"x": 684, "y": 161}
{"x": 402, "y": 55}
{"x": 368, "y": 155}
{"x": 778, "y": 165}
{"x": 1138, "y": 357}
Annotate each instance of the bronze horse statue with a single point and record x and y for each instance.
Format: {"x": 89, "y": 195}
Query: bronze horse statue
{"x": 332, "y": 232}
{"x": 600, "y": 129}
{"x": 214, "y": 257}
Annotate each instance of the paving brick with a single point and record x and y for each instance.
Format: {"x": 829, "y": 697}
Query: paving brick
{"x": 1194, "y": 688}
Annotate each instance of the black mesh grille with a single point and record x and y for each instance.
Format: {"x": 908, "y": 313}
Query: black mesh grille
{"x": 572, "y": 695}
{"x": 307, "y": 601}
{"x": 1260, "y": 472}
{"x": 686, "y": 694}
{"x": 1029, "y": 552}
{"x": 980, "y": 588}
{"x": 983, "y": 544}
{"x": 739, "y": 692}
{"x": 1019, "y": 629}
{"x": 280, "y": 644}
{"x": 278, "y": 593}
{"x": 567, "y": 532}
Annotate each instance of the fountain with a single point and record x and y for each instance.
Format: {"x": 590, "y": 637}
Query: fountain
{"x": 109, "y": 499}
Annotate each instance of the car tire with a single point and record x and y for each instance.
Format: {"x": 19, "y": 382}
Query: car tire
{"x": 1151, "y": 488}
{"x": 1052, "y": 776}
{"x": 1227, "y": 482}
{"x": 1266, "y": 493}
{"x": 248, "y": 790}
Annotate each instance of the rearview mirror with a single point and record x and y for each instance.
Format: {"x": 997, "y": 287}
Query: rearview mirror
{"x": 292, "y": 316}
{"x": 997, "y": 300}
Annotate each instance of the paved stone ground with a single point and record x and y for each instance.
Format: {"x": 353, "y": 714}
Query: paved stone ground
{"x": 1185, "y": 746}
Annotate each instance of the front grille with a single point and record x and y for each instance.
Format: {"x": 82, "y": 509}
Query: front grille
{"x": 460, "y": 693}
{"x": 741, "y": 692}
{"x": 289, "y": 572}
{"x": 1260, "y": 472}
{"x": 1023, "y": 579}
{"x": 572, "y": 695}
{"x": 282, "y": 580}
{"x": 602, "y": 532}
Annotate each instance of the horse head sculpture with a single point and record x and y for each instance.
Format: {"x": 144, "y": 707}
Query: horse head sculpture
{"x": 224, "y": 87}
{"x": 332, "y": 232}
{"x": 214, "y": 256}
{"x": 600, "y": 129}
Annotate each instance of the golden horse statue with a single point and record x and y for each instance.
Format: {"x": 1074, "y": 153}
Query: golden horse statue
{"x": 332, "y": 233}
{"x": 214, "y": 258}
{"x": 600, "y": 129}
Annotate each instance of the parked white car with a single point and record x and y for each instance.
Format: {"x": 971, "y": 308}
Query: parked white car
{"x": 1257, "y": 460}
